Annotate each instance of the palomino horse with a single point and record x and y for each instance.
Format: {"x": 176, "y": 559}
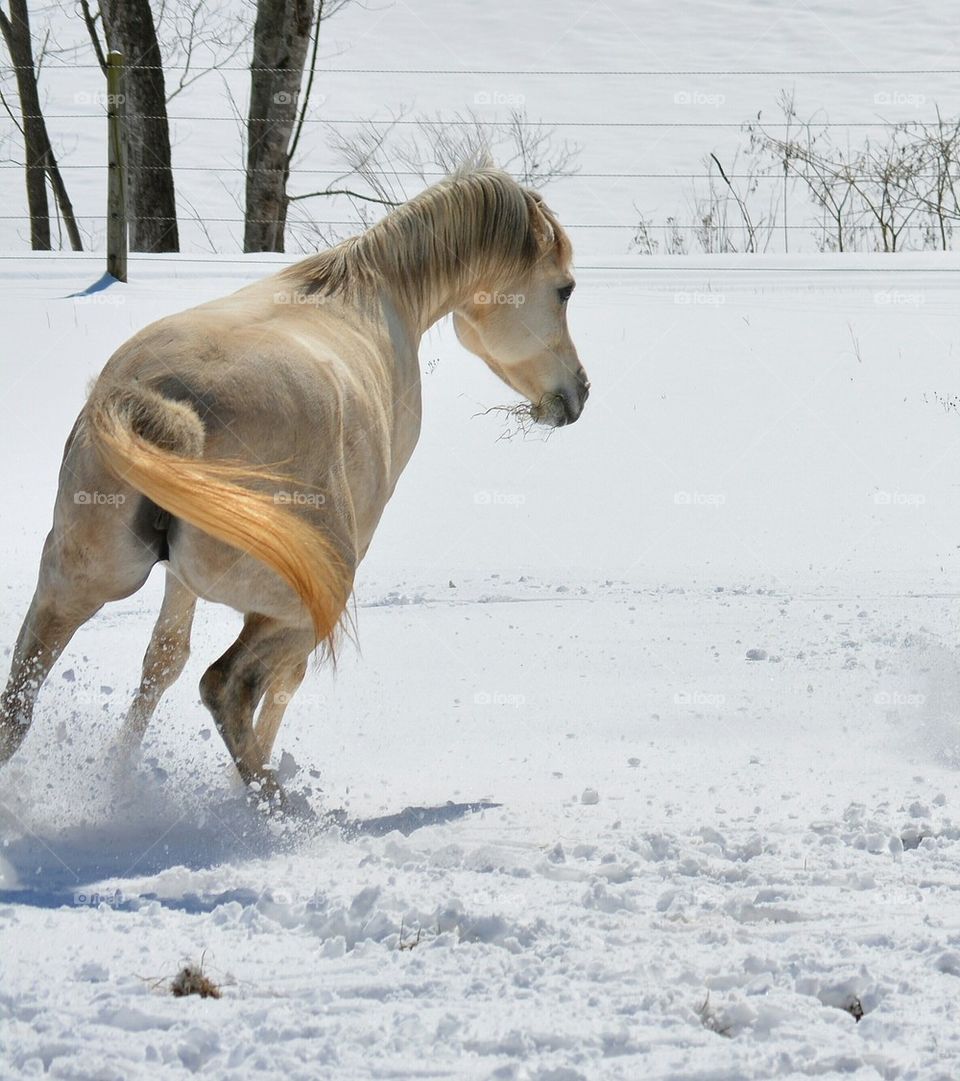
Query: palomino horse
{"x": 251, "y": 444}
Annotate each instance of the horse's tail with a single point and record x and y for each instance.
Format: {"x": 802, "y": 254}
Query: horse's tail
{"x": 156, "y": 446}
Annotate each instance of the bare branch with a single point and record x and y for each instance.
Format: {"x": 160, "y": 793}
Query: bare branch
{"x": 344, "y": 191}
{"x": 90, "y": 21}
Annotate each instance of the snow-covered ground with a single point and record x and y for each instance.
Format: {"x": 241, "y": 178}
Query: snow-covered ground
{"x": 696, "y": 655}
{"x": 700, "y": 862}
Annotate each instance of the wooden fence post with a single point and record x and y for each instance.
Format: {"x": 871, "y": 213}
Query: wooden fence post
{"x": 116, "y": 201}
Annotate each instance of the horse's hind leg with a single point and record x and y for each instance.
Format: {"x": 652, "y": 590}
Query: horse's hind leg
{"x": 49, "y": 625}
{"x": 72, "y": 586}
{"x": 265, "y": 656}
{"x": 283, "y": 686}
{"x": 163, "y": 662}
{"x": 101, "y": 548}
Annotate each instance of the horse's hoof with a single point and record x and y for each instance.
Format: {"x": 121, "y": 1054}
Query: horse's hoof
{"x": 11, "y": 736}
{"x": 123, "y": 758}
{"x": 271, "y": 798}
{"x": 266, "y": 793}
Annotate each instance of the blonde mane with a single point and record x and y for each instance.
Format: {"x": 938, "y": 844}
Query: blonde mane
{"x": 477, "y": 224}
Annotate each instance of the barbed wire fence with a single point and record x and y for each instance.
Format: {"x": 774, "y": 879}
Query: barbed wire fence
{"x": 718, "y": 225}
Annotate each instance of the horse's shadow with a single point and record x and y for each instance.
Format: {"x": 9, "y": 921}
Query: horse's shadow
{"x": 64, "y": 868}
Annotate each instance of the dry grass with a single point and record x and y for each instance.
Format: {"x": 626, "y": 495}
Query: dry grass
{"x": 855, "y": 1008}
{"x": 712, "y": 1020}
{"x": 192, "y": 980}
{"x": 410, "y": 944}
{"x": 519, "y": 420}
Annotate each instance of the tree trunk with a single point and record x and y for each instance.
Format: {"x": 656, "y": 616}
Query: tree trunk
{"x": 151, "y": 203}
{"x": 62, "y": 198}
{"x": 16, "y": 34}
{"x": 281, "y": 37}
{"x": 41, "y": 161}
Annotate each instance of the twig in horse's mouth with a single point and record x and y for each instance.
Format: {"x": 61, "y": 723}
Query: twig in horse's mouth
{"x": 520, "y": 420}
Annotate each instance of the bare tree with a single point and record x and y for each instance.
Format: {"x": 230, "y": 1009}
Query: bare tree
{"x": 281, "y": 38}
{"x": 384, "y": 168}
{"x": 198, "y": 37}
{"x": 151, "y": 200}
{"x": 726, "y": 218}
{"x": 807, "y": 156}
{"x": 879, "y": 191}
{"x": 893, "y": 191}
{"x": 932, "y": 184}
{"x": 40, "y": 163}
{"x": 284, "y": 33}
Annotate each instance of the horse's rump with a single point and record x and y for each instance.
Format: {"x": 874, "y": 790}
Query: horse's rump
{"x": 156, "y": 445}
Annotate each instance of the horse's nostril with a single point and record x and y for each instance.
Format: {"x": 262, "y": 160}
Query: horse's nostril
{"x": 571, "y": 407}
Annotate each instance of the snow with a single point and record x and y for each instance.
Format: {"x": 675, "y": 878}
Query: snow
{"x": 720, "y": 733}
{"x": 646, "y": 764}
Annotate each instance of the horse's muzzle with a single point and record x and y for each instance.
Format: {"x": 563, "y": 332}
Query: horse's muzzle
{"x": 564, "y": 405}
{"x": 573, "y": 403}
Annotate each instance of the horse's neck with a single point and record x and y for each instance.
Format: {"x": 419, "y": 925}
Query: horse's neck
{"x": 442, "y": 282}
{"x": 422, "y": 303}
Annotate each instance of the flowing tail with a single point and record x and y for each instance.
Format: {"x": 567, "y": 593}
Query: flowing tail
{"x": 156, "y": 445}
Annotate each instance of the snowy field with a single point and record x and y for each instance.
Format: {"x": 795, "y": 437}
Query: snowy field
{"x": 646, "y": 764}
{"x": 772, "y": 842}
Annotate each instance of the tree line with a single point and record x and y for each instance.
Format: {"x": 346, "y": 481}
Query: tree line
{"x": 285, "y": 40}
{"x": 196, "y": 38}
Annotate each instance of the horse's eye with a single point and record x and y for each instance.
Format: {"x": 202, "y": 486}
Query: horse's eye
{"x": 564, "y": 293}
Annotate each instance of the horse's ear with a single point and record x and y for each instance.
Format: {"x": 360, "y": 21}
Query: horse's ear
{"x": 540, "y": 224}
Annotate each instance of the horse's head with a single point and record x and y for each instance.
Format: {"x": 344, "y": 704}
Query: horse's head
{"x": 518, "y": 324}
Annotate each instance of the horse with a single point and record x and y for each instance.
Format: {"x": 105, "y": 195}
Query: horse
{"x": 251, "y": 444}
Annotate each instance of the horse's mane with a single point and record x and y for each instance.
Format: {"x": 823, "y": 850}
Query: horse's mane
{"x": 477, "y": 223}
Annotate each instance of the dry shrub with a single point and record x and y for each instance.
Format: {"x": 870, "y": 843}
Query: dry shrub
{"x": 191, "y": 980}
